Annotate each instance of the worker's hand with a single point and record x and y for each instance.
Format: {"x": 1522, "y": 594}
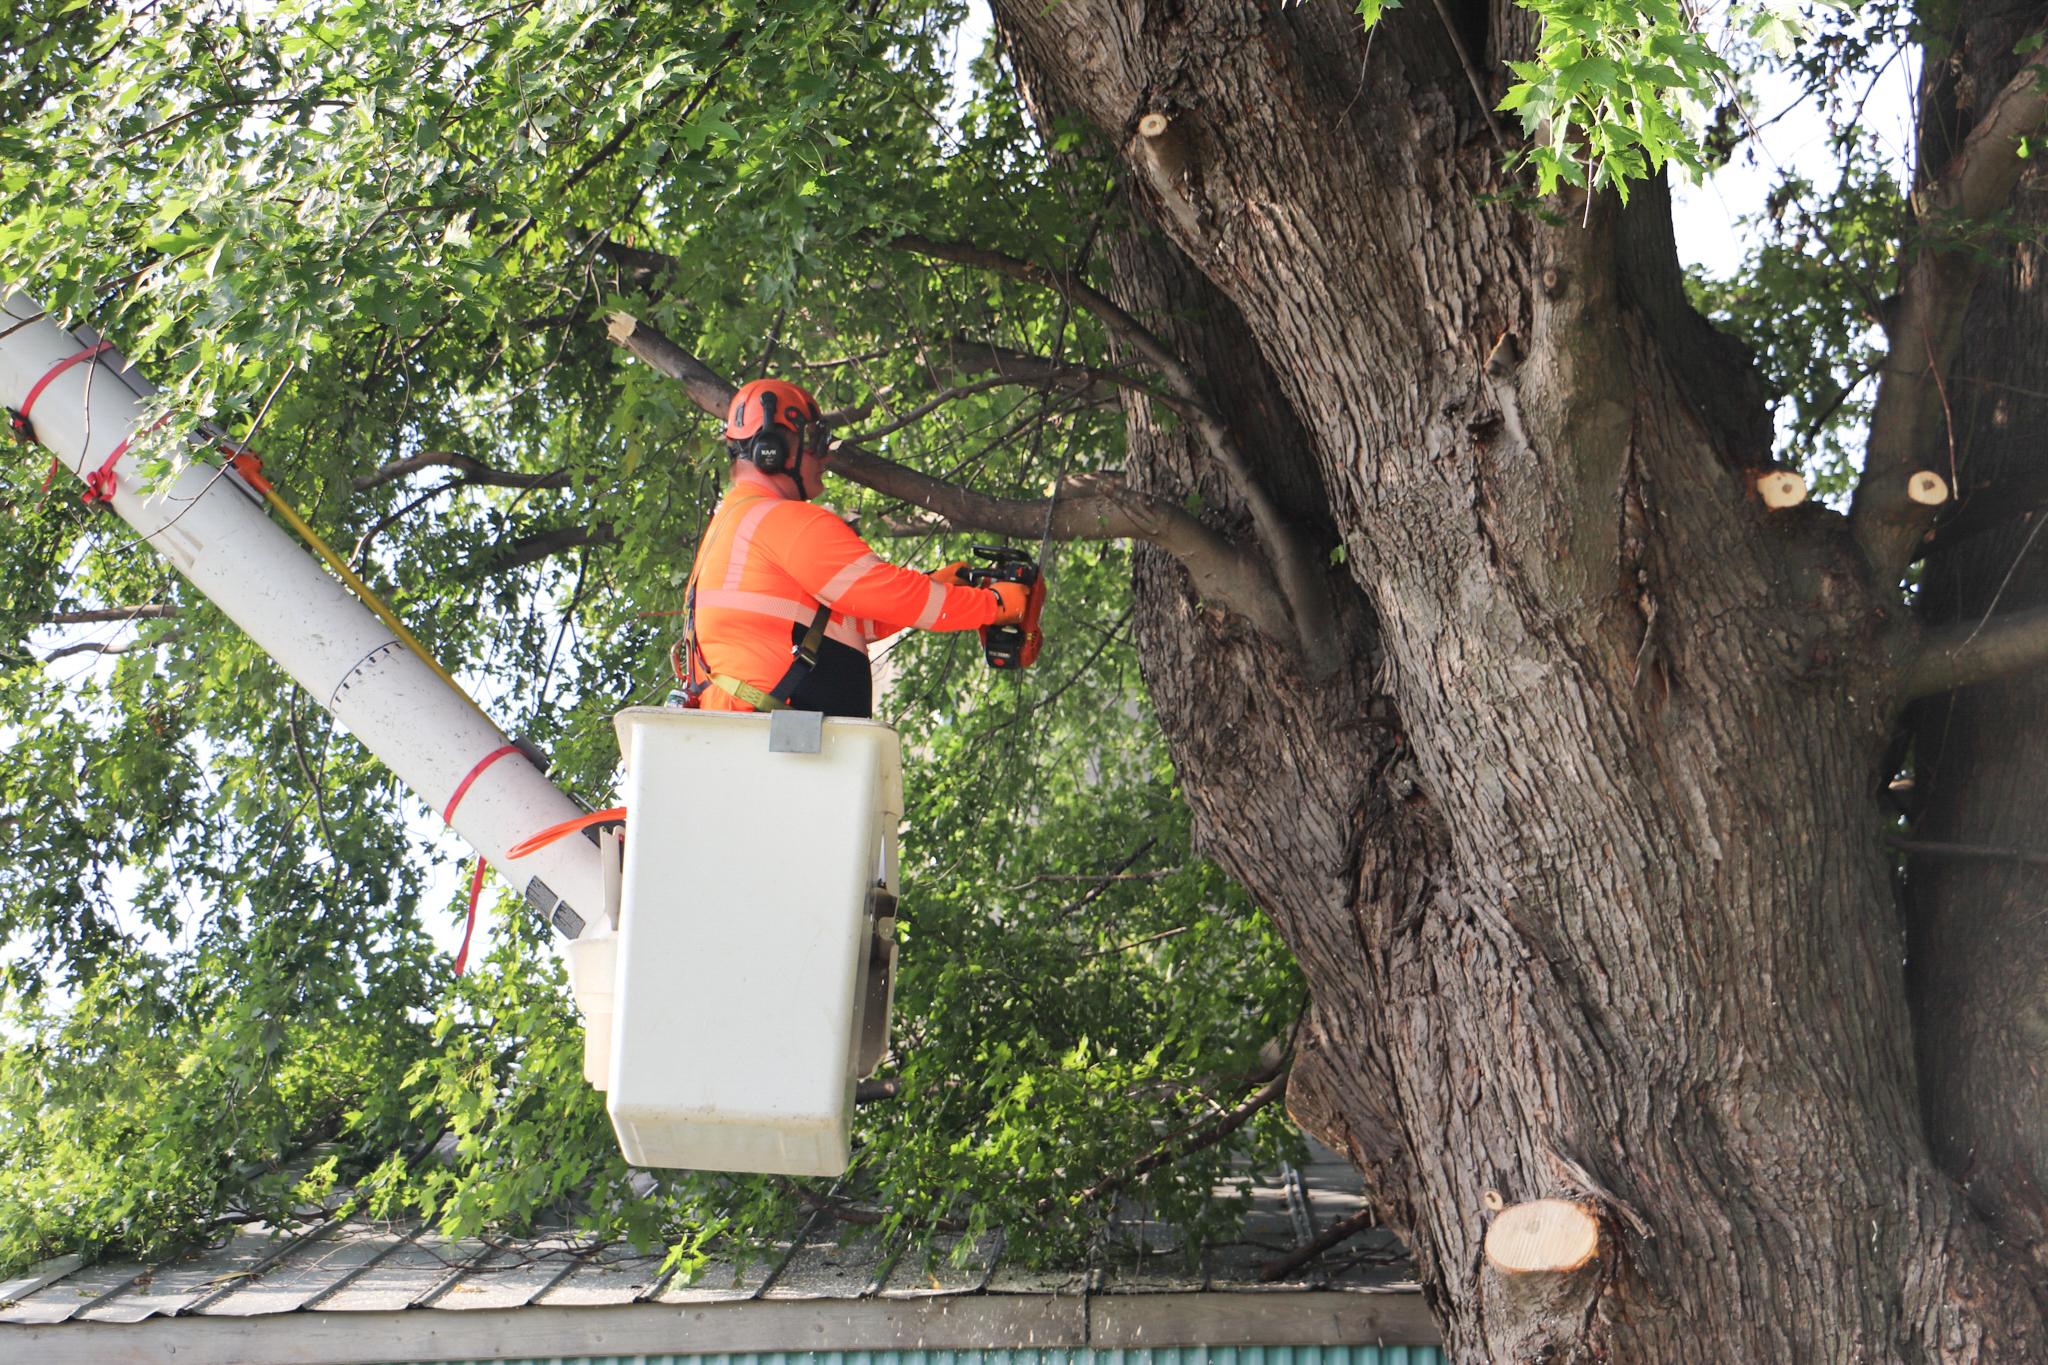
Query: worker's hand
{"x": 1015, "y": 598}
{"x": 949, "y": 577}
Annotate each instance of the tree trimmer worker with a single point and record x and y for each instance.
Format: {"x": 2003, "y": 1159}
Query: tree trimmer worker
{"x": 785, "y": 598}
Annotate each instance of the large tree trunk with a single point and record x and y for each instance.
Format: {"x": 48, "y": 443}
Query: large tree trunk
{"x": 1578, "y": 844}
{"x": 1979, "y": 950}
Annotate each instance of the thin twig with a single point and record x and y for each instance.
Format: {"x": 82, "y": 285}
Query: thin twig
{"x": 150, "y": 612}
{"x": 472, "y": 469}
{"x": 1472, "y": 75}
{"x": 1137, "y": 943}
{"x": 291, "y": 721}
{"x": 93, "y": 647}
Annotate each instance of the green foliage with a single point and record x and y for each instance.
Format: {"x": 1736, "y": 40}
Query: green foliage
{"x": 396, "y": 228}
{"x": 1811, "y": 294}
{"x": 1618, "y": 88}
{"x": 393, "y": 222}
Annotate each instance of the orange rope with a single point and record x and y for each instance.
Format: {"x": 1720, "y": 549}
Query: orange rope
{"x": 615, "y": 815}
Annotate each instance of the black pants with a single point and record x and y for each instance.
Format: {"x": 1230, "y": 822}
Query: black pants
{"x": 840, "y": 685}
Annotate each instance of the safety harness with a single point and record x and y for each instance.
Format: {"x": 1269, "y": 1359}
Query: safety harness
{"x": 803, "y": 658}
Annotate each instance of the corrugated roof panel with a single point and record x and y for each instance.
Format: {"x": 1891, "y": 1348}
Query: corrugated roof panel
{"x": 512, "y": 1275}
{"x": 844, "y": 1266}
{"x": 952, "y": 1266}
{"x": 401, "y": 1277}
{"x": 724, "y": 1281}
{"x": 303, "y": 1271}
{"x": 616, "y": 1275}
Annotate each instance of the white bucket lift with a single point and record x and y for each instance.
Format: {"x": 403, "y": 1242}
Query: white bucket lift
{"x": 750, "y": 981}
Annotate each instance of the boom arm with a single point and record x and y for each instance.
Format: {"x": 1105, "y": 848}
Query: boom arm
{"x": 213, "y": 527}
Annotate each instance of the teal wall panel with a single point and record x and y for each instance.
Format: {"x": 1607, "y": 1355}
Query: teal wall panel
{"x": 1178, "y": 1355}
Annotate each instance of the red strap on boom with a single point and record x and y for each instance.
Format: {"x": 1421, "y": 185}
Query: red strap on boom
{"x": 476, "y": 881}
{"x": 462, "y": 787}
{"x": 476, "y": 886}
{"x": 20, "y": 416}
{"x": 100, "y": 484}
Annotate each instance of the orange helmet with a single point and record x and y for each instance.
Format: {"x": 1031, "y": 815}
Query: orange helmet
{"x": 771, "y": 422}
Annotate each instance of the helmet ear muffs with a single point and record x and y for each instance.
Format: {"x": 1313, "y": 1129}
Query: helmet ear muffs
{"x": 769, "y": 449}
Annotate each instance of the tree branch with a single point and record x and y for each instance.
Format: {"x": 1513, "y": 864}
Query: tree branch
{"x": 152, "y": 612}
{"x": 544, "y": 545}
{"x": 96, "y": 647}
{"x": 1963, "y": 653}
{"x": 956, "y": 392}
{"x": 472, "y": 470}
{"x": 847, "y": 1212}
{"x": 1178, "y": 1146}
{"x": 1090, "y": 506}
{"x": 959, "y": 356}
{"x": 1911, "y": 410}
{"x": 1343, "y": 1230}
{"x": 639, "y": 264}
{"x": 1988, "y": 507}
{"x": 1295, "y": 564}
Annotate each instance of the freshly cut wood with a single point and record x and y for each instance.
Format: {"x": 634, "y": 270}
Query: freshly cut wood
{"x": 1153, "y": 124}
{"x": 1927, "y": 488}
{"x": 1544, "y": 1235}
{"x": 1780, "y": 488}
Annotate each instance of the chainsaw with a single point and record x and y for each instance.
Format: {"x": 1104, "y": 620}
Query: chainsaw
{"x": 1009, "y": 646}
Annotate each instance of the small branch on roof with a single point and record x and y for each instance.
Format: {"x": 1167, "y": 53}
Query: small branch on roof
{"x": 1965, "y": 652}
{"x": 1343, "y": 1230}
{"x": 1912, "y": 409}
{"x": 1089, "y": 506}
{"x": 472, "y": 470}
{"x": 1182, "y": 1145}
{"x": 847, "y": 1212}
{"x": 154, "y": 611}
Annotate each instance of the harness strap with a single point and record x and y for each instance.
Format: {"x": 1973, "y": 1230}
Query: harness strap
{"x": 805, "y": 659}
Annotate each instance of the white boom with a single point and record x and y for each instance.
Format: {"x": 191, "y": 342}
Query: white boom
{"x": 214, "y": 528}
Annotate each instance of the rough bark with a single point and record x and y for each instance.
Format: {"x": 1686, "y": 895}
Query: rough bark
{"x": 1579, "y": 849}
{"x": 1979, "y": 956}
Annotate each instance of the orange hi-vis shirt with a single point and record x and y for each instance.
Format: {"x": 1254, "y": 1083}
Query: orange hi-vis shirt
{"x": 767, "y": 560}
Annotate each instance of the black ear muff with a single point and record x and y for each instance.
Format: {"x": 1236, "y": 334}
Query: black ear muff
{"x": 771, "y": 450}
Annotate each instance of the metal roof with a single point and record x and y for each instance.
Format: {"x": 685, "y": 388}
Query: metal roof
{"x": 357, "y": 1291}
